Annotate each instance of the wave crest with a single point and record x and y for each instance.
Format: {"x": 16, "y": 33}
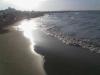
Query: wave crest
{"x": 73, "y": 41}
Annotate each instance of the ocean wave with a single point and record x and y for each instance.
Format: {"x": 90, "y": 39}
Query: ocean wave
{"x": 81, "y": 29}
{"x": 90, "y": 44}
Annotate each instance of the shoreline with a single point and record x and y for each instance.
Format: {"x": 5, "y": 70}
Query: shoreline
{"x": 62, "y": 60}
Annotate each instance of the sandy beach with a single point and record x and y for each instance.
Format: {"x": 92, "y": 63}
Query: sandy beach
{"x": 59, "y": 59}
{"x": 49, "y": 37}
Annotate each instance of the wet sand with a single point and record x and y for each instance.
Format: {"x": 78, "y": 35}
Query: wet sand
{"x": 16, "y": 57}
{"x": 61, "y": 59}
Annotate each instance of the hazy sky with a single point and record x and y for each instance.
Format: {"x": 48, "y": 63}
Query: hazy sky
{"x": 51, "y": 4}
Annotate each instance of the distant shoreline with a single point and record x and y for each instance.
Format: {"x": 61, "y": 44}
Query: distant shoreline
{"x": 10, "y": 16}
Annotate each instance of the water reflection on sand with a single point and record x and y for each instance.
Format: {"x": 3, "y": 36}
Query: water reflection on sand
{"x": 27, "y": 27}
{"x": 17, "y": 51}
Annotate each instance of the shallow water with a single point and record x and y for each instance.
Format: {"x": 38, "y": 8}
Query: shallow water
{"x": 20, "y": 51}
{"x": 74, "y": 28}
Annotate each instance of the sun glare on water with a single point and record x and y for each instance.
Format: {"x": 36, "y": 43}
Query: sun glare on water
{"x": 26, "y": 4}
{"x": 27, "y": 27}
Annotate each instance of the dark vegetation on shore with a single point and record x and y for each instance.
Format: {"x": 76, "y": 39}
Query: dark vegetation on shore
{"x": 10, "y": 16}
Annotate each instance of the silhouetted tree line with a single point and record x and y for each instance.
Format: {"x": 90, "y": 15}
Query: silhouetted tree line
{"x": 11, "y": 15}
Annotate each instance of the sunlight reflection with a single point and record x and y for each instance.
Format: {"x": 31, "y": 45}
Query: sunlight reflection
{"x": 27, "y": 27}
{"x": 28, "y": 4}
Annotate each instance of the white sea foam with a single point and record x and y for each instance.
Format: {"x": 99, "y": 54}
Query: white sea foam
{"x": 80, "y": 29}
{"x": 69, "y": 40}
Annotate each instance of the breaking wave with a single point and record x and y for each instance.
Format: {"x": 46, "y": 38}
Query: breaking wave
{"x": 81, "y": 29}
{"x": 73, "y": 41}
